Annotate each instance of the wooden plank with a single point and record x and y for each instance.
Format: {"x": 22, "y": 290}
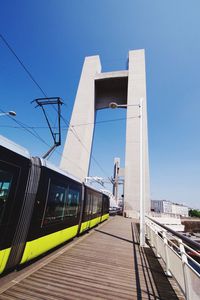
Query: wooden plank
{"x": 105, "y": 264}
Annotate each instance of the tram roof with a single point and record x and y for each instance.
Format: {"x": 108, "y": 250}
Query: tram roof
{"x": 6, "y": 143}
{"x": 95, "y": 188}
{"x": 51, "y": 166}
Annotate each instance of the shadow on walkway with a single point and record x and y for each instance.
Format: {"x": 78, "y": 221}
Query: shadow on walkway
{"x": 115, "y": 236}
{"x": 150, "y": 279}
{"x": 157, "y": 285}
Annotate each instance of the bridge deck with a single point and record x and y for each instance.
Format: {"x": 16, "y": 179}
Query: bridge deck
{"x": 106, "y": 264}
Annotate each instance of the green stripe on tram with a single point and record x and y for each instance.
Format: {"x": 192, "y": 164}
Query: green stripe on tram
{"x": 91, "y": 223}
{"x": 4, "y": 254}
{"x": 41, "y": 245}
{"x": 104, "y": 217}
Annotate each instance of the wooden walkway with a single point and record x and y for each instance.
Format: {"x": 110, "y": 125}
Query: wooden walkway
{"x": 106, "y": 263}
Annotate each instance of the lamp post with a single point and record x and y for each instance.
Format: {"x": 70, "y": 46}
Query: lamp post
{"x": 9, "y": 113}
{"x": 142, "y": 208}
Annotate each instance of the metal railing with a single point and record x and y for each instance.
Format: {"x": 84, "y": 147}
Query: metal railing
{"x": 170, "y": 215}
{"x": 180, "y": 255}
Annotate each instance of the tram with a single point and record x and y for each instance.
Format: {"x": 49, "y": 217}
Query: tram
{"x": 41, "y": 206}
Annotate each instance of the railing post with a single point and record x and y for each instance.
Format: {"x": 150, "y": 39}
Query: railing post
{"x": 184, "y": 262}
{"x": 156, "y": 244}
{"x": 167, "y": 272}
{"x": 151, "y": 236}
{"x": 146, "y": 230}
{"x": 178, "y": 262}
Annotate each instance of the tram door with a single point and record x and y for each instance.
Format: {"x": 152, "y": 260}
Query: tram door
{"x": 89, "y": 209}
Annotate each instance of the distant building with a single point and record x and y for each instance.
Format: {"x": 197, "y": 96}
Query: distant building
{"x": 179, "y": 209}
{"x": 167, "y": 207}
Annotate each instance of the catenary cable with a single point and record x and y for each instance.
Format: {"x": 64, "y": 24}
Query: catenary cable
{"x": 39, "y": 87}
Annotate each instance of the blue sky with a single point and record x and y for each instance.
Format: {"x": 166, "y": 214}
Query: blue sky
{"x": 53, "y": 37}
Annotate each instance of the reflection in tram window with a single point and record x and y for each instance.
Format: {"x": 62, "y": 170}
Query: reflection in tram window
{"x": 95, "y": 205}
{"x": 73, "y": 203}
{"x": 99, "y": 209}
{"x": 5, "y": 183}
{"x": 88, "y": 205}
{"x": 62, "y": 202}
{"x": 56, "y": 202}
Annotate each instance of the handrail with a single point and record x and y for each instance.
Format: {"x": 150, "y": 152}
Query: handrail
{"x": 179, "y": 235}
{"x": 178, "y": 261}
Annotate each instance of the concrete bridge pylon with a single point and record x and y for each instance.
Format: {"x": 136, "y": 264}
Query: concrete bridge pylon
{"x": 96, "y": 91}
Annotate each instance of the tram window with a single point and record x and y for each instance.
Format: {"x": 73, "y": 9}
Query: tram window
{"x": 95, "y": 205}
{"x": 56, "y": 202}
{"x": 105, "y": 205}
{"x": 99, "y": 204}
{"x": 73, "y": 203}
{"x": 5, "y": 184}
{"x": 88, "y": 205}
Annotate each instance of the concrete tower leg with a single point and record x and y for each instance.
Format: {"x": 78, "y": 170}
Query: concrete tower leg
{"x": 136, "y": 91}
{"x": 76, "y": 153}
{"x": 95, "y": 91}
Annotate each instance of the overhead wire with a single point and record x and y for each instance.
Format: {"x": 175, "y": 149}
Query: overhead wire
{"x": 91, "y": 155}
{"x": 42, "y": 91}
{"x": 22, "y": 64}
{"x": 22, "y": 125}
{"x": 76, "y": 125}
{"x": 81, "y": 124}
{"x": 37, "y": 136}
{"x": 104, "y": 121}
{"x": 86, "y": 149}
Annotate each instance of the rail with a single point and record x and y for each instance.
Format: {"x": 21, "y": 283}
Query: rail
{"x": 180, "y": 255}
